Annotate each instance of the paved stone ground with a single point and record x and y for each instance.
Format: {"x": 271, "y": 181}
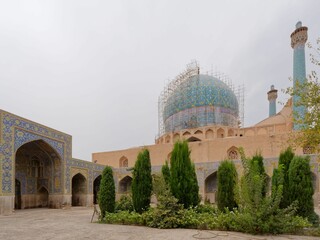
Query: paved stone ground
{"x": 75, "y": 223}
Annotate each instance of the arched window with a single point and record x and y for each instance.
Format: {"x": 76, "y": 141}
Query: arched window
{"x": 233, "y": 153}
{"x": 123, "y": 162}
{"x": 35, "y": 167}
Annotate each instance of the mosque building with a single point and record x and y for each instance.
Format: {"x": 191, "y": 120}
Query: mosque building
{"x": 37, "y": 169}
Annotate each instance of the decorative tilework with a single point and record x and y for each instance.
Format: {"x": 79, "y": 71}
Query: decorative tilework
{"x": 93, "y": 170}
{"x": 16, "y": 131}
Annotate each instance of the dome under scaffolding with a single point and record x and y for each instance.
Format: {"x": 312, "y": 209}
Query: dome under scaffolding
{"x": 195, "y": 100}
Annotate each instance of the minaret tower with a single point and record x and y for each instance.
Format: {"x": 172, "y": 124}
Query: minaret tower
{"x": 272, "y": 97}
{"x": 298, "y": 40}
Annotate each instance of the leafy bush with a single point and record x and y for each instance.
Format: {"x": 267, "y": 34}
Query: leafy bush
{"x": 258, "y": 213}
{"x": 166, "y": 215}
{"x": 123, "y": 217}
{"x": 159, "y": 186}
{"x": 124, "y": 204}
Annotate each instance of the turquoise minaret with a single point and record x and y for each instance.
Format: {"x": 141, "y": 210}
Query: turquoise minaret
{"x": 272, "y": 97}
{"x": 299, "y": 38}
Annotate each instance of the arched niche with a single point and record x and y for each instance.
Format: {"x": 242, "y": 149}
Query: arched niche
{"x": 209, "y": 134}
{"x": 123, "y": 162}
{"x": 38, "y": 172}
{"x": 96, "y": 188}
{"x": 230, "y": 133}
{"x": 79, "y": 190}
{"x": 125, "y": 184}
{"x": 220, "y": 133}
{"x": 233, "y": 153}
{"x": 176, "y": 137}
{"x": 211, "y": 186}
{"x": 198, "y": 132}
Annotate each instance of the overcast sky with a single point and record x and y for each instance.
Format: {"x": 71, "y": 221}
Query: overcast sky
{"x": 94, "y": 69}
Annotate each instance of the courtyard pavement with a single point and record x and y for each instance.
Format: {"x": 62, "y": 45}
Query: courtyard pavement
{"x": 75, "y": 223}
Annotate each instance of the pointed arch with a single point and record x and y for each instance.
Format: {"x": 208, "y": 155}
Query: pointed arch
{"x": 230, "y": 133}
{"x": 79, "y": 190}
{"x": 123, "y": 161}
{"x": 198, "y": 132}
{"x": 176, "y": 137}
{"x": 211, "y": 186}
{"x": 96, "y": 188}
{"x": 167, "y": 139}
{"x": 125, "y": 184}
{"x": 186, "y": 134}
{"x": 233, "y": 153}
{"x": 43, "y": 197}
{"x": 38, "y": 170}
{"x": 209, "y": 134}
{"x": 220, "y": 133}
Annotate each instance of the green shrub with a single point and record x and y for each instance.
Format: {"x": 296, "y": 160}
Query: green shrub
{"x": 159, "y": 186}
{"x": 285, "y": 159}
{"x": 142, "y": 182}
{"x": 106, "y": 196}
{"x": 165, "y": 170}
{"x": 258, "y": 213}
{"x": 123, "y": 217}
{"x": 227, "y": 179}
{"x": 183, "y": 179}
{"x": 124, "y": 204}
{"x": 166, "y": 215}
{"x": 300, "y": 186}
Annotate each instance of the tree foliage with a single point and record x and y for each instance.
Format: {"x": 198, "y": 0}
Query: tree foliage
{"x": 166, "y": 172}
{"x": 142, "y": 182}
{"x": 285, "y": 159}
{"x": 106, "y": 196}
{"x": 183, "y": 179}
{"x": 227, "y": 179}
{"x": 257, "y": 162}
{"x": 300, "y": 185}
{"x": 261, "y": 213}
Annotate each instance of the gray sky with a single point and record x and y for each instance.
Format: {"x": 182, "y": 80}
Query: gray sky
{"x": 94, "y": 69}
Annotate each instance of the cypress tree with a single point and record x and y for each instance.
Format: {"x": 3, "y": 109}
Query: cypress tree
{"x": 227, "y": 179}
{"x": 166, "y": 173}
{"x": 285, "y": 160}
{"x": 300, "y": 185}
{"x": 106, "y": 196}
{"x": 257, "y": 160}
{"x": 183, "y": 179}
{"x": 142, "y": 182}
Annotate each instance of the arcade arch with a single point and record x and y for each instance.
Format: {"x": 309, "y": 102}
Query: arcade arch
{"x": 125, "y": 184}
{"x": 37, "y": 175}
{"x": 79, "y": 190}
{"x": 96, "y": 188}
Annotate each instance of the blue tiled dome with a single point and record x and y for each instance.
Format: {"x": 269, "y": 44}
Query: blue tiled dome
{"x": 199, "y": 101}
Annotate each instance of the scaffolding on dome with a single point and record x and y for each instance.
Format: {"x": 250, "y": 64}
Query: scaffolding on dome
{"x": 166, "y": 96}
